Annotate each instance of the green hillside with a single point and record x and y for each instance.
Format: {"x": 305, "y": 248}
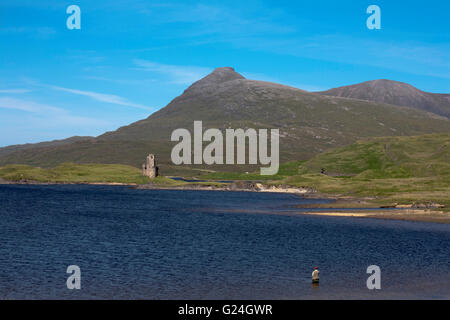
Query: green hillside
{"x": 73, "y": 173}
{"x": 388, "y": 170}
{"x": 400, "y": 170}
{"x": 309, "y": 124}
{"x": 391, "y": 157}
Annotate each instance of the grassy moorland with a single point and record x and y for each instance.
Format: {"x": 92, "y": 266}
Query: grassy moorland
{"x": 401, "y": 170}
{"x": 286, "y": 170}
{"x": 389, "y": 170}
{"x": 74, "y": 173}
{"x": 87, "y": 173}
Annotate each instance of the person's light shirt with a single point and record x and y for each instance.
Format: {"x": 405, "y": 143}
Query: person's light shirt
{"x": 315, "y": 275}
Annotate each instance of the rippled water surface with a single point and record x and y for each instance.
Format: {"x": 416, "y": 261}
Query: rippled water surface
{"x": 161, "y": 244}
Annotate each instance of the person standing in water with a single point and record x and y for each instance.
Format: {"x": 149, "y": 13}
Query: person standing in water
{"x": 315, "y": 275}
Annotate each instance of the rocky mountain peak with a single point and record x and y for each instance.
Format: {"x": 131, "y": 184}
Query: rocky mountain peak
{"x": 223, "y": 74}
{"x": 217, "y": 77}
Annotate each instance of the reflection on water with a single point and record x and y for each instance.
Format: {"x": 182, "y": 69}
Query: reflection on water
{"x": 161, "y": 244}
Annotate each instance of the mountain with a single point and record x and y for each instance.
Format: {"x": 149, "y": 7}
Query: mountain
{"x": 55, "y": 143}
{"x": 309, "y": 123}
{"x": 396, "y": 93}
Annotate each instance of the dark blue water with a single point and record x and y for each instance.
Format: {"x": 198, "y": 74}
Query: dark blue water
{"x": 161, "y": 244}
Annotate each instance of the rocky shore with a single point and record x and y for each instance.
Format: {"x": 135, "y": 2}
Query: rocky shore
{"x": 419, "y": 215}
{"x": 234, "y": 186}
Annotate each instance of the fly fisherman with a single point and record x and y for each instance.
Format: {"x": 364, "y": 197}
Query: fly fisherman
{"x": 315, "y": 275}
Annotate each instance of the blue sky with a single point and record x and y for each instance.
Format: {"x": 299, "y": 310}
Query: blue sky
{"x": 132, "y": 57}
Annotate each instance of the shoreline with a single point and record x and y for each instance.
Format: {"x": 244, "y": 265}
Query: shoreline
{"x": 349, "y": 207}
{"x": 31, "y": 182}
{"x": 414, "y": 215}
{"x": 241, "y": 186}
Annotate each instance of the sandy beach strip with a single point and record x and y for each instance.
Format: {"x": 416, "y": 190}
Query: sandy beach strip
{"x": 421, "y": 215}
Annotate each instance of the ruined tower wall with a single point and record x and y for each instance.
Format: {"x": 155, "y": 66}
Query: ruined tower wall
{"x": 149, "y": 168}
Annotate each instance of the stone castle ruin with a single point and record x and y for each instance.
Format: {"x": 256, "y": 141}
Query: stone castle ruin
{"x": 149, "y": 168}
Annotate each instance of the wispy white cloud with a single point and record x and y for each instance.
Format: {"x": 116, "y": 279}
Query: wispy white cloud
{"x": 133, "y": 82}
{"x": 108, "y": 98}
{"x": 406, "y": 56}
{"x": 201, "y": 19}
{"x": 28, "y": 106}
{"x": 177, "y": 74}
{"x": 14, "y": 90}
{"x": 48, "y": 114}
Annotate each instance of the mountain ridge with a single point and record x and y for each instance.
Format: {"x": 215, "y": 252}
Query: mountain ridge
{"x": 395, "y": 93}
{"x": 309, "y": 123}
{"x": 58, "y": 142}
